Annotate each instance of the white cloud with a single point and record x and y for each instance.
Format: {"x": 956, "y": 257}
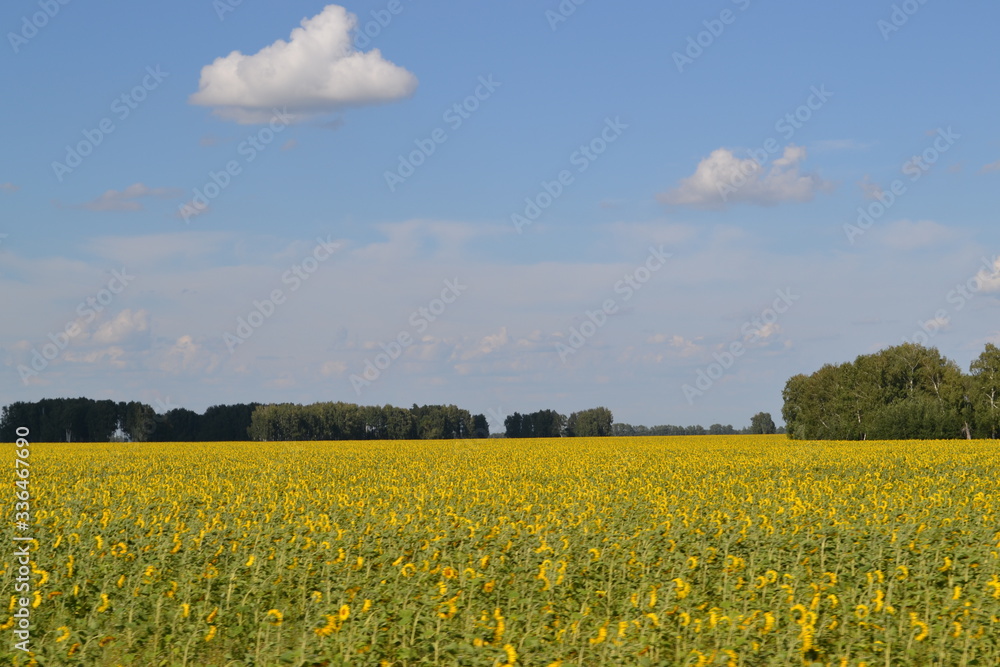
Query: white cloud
{"x": 316, "y": 72}
{"x": 910, "y": 234}
{"x": 333, "y": 368}
{"x": 990, "y": 280}
{"x": 122, "y": 327}
{"x": 126, "y": 200}
{"x": 936, "y": 324}
{"x": 185, "y": 354}
{"x": 767, "y": 330}
{"x": 487, "y": 345}
{"x": 722, "y": 179}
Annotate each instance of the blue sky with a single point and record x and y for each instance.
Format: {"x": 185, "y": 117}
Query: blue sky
{"x": 633, "y": 129}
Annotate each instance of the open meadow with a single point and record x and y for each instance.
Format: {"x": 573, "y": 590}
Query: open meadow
{"x": 729, "y": 550}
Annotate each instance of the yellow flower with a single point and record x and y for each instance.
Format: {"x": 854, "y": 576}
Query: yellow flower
{"x": 488, "y": 586}
{"x": 508, "y": 649}
{"x": 332, "y": 625}
{"x": 343, "y": 612}
{"x": 366, "y": 606}
{"x": 915, "y": 622}
{"x": 768, "y": 622}
{"x": 105, "y": 603}
{"x": 316, "y": 596}
{"x": 105, "y": 641}
{"x": 64, "y": 633}
{"x": 211, "y": 633}
{"x": 211, "y": 617}
{"x": 602, "y": 634}
{"x": 185, "y": 609}
{"x": 250, "y": 561}
{"x": 276, "y": 615}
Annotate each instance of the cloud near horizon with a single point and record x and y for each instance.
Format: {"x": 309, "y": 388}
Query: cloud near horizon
{"x": 723, "y": 179}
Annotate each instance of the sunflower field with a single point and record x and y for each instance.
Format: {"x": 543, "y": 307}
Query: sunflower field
{"x": 706, "y": 550}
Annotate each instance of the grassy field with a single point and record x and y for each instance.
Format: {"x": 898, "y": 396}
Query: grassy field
{"x": 730, "y": 550}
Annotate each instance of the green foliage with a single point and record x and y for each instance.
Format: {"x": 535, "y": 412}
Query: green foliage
{"x": 907, "y": 391}
{"x": 761, "y": 423}
{"x": 541, "y": 424}
{"x": 595, "y": 422}
{"x": 347, "y": 421}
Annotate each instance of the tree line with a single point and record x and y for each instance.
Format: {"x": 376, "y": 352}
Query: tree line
{"x": 903, "y": 392}
{"x": 88, "y": 420}
{"x": 347, "y": 421}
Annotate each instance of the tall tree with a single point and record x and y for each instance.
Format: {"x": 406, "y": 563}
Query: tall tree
{"x": 762, "y": 423}
{"x": 984, "y": 389}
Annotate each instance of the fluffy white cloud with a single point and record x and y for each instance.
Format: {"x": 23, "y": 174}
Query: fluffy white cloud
{"x": 316, "y": 71}
{"x": 990, "y": 279}
{"x": 722, "y": 179}
{"x": 123, "y": 326}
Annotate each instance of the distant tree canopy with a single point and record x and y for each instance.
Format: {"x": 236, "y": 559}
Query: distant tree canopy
{"x": 87, "y": 420}
{"x": 347, "y": 421}
{"x": 595, "y": 422}
{"x": 541, "y": 424}
{"x": 901, "y": 392}
{"x": 667, "y": 429}
{"x": 762, "y": 423}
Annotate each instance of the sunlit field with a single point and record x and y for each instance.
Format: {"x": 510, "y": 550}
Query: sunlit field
{"x": 729, "y": 550}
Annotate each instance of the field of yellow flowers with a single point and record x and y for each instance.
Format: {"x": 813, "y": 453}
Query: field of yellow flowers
{"x": 731, "y": 550}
